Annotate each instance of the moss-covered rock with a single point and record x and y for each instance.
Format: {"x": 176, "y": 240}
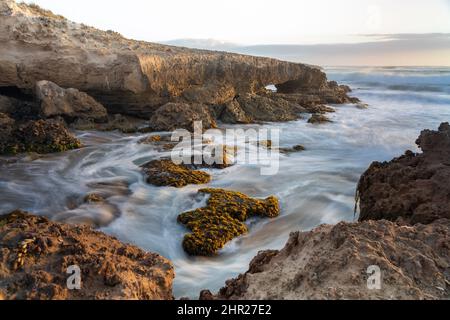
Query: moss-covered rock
{"x": 164, "y": 172}
{"x": 41, "y": 136}
{"x": 222, "y": 219}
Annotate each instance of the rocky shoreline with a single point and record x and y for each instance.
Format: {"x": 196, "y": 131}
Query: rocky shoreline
{"x": 52, "y": 68}
{"x": 56, "y": 75}
{"x": 403, "y": 228}
{"x": 328, "y": 262}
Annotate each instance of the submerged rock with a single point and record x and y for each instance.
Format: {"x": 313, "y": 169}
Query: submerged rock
{"x": 166, "y": 173}
{"x": 319, "y": 119}
{"x": 36, "y": 254}
{"x": 94, "y": 198}
{"x": 41, "y": 136}
{"x": 296, "y": 148}
{"x": 414, "y": 187}
{"x": 331, "y": 262}
{"x": 222, "y": 219}
{"x": 69, "y": 103}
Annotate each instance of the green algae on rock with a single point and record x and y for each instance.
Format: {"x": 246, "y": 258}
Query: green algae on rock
{"x": 222, "y": 219}
{"x": 164, "y": 172}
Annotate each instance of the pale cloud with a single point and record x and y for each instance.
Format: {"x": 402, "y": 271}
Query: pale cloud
{"x": 256, "y": 21}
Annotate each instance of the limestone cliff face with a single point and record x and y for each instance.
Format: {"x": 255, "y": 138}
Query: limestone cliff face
{"x": 128, "y": 76}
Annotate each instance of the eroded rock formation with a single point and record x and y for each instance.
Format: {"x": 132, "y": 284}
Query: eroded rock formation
{"x": 137, "y": 78}
{"x": 36, "y": 253}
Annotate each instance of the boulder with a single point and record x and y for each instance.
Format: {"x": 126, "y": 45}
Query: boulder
{"x": 69, "y": 103}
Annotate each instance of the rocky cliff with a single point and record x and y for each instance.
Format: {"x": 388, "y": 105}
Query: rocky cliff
{"x": 331, "y": 262}
{"x": 135, "y": 77}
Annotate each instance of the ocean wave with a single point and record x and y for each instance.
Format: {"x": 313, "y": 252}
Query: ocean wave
{"x": 394, "y": 78}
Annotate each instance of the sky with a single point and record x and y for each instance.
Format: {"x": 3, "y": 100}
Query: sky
{"x": 256, "y": 22}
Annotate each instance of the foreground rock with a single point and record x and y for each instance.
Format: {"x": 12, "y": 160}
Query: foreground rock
{"x": 166, "y": 173}
{"x": 222, "y": 219}
{"x": 70, "y": 104}
{"x": 330, "y": 262}
{"x": 138, "y": 78}
{"x": 35, "y": 254}
{"x": 414, "y": 187}
{"x": 41, "y": 136}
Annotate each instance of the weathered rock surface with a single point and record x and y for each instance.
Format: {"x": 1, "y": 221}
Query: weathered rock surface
{"x": 268, "y": 108}
{"x": 69, "y": 103}
{"x": 135, "y": 77}
{"x": 414, "y": 187}
{"x": 172, "y": 116}
{"x": 222, "y": 219}
{"x": 330, "y": 262}
{"x": 35, "y": 254}
{"x": 41, "y": 136}
{"x": 124, "y": 124}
